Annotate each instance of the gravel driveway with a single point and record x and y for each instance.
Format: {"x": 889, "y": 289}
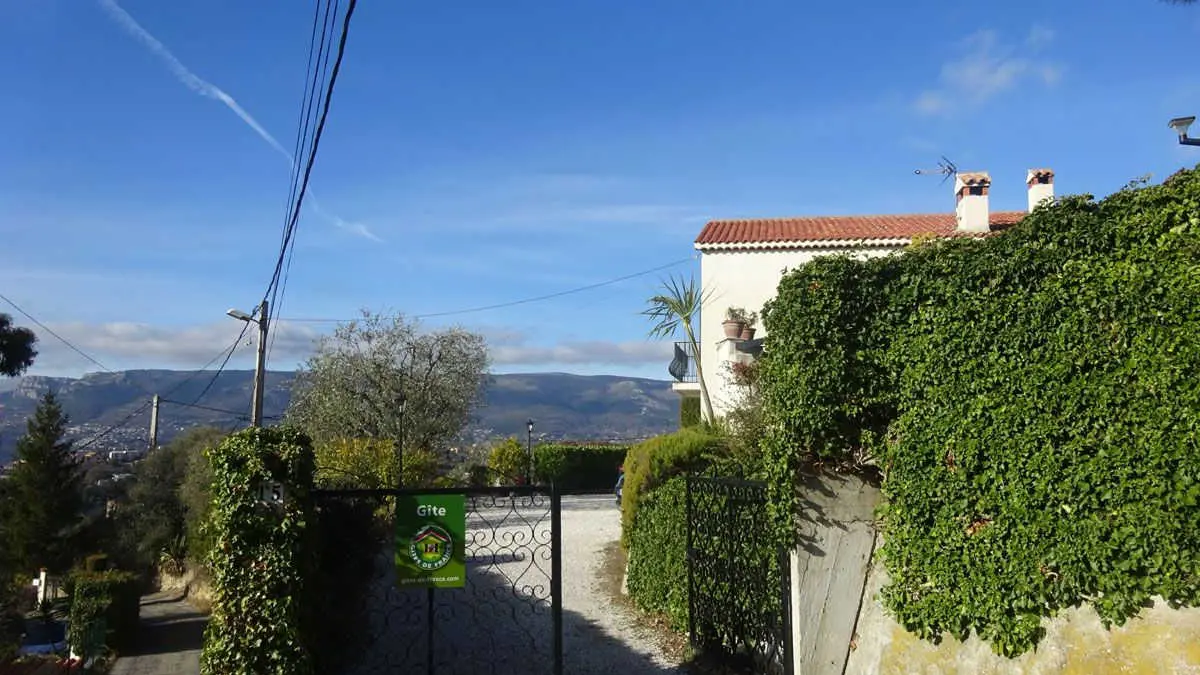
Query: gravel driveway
{"x": 598, "y": 636}
{"x": 501, "y": 622}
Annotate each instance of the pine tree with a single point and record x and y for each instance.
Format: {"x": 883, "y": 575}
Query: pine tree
{"x": 43, "y": 496}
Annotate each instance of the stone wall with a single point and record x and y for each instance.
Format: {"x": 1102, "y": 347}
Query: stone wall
{"x": 1160, "y": 641}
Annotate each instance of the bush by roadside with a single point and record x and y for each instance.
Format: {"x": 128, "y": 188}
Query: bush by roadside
{"x": 653, "y": 462}
{"x": 657, "y": 570}
{"x": 579, "y": 466}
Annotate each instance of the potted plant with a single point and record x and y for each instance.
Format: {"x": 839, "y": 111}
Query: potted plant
{"x": 747, "y": 332}
{"x": 735, "y": 321}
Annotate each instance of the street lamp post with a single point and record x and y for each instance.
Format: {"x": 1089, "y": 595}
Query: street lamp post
{"x": 529, "y": 453}
{"x": 1181, "y": 125}
{"x": 400, "y": 403}
{"x": 260, "y": 358}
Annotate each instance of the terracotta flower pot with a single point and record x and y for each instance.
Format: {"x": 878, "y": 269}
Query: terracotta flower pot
{"x": 733, "y": 329}
{"x": 747, "y": 333}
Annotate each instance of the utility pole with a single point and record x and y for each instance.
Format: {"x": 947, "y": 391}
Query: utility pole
{"x": 260, "y": 366}
{"x": 154, "y": 424}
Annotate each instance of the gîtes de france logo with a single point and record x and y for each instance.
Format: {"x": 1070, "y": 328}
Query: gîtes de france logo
{"x": 431, "y": 548}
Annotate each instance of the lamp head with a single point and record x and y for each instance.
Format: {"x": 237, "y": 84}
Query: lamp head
{"x": 1181, "y": 125}
{"x": 530, "y": 424}
{"x": 238, "y": 314}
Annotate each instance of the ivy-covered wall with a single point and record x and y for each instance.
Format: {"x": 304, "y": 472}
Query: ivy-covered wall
{"x": 1030, "y": 400}
{"x": 261, "y": 556}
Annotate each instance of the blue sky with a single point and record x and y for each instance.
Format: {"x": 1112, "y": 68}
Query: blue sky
{"x": 481, "y": 152}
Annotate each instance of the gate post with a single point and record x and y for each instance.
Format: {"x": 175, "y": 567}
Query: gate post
{"x": 556, "y": 575}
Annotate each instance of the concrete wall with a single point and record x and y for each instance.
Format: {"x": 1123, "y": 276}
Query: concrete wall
{"x": 747, "y": 279}
{"x": 1160, "y": 640}
{"x": 829, "y": 569}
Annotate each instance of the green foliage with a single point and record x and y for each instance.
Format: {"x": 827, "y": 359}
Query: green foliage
{"x": 41, "y": 505}
{"x": 371, "y": 464}
{"x": 653, "y": 462}
{"x": 689, "y": 412}
{"x": 658, "y": 578}
{"x": 195, "y": 493}
{"x": 262, "y": 555}
{"x": 1030, "y": 400}
{"x": 160, "y": 519}
{"x": 16, "y": 347}
{"x": 579, "y": 466}
{"x": 509, "y": 460}
{"x": 10, "y": 616}
{"x": 104, "y": 604}
{"x": 677, "y": 307}
{"x": 353, "y": 385}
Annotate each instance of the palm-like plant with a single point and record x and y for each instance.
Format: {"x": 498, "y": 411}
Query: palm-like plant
{"x": 678, "y": 306}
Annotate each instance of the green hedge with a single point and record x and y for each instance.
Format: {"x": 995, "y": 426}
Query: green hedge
{"x": 658, "y": 580}
{"x": 579, "y": 466}
{"x": 107, "y": 601}
{"x": 1030, "y": 401}
{"x": 262, "y": 619}
{"x": 653, "y": 462}
{"x": 689, "y": 412}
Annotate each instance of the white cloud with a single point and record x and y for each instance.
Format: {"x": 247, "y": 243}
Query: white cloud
{"x": 119, "y": 344}
{"x": 128, "y": 345}
{"x": 592, "y": 352}
{"x": 985, "y": 68}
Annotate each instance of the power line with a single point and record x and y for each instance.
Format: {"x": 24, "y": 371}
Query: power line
{"x": 147, "y": 404}
{"x": 105, "y": 368}
{"x": 514, "y": 303}
{"x": 307, "y": 102}
{"x": 95, "y": 439}
{"x": 316, "y": 142}
{"x": 277, "y": 287}
{"x": 228, "y": 355}
{"x": 239, "y": 415}
{"x": 60, "y": 338}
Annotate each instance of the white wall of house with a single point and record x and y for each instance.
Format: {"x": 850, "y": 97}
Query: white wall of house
{"x": 747, "y": 278}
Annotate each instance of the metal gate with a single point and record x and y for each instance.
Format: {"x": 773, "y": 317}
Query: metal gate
{"x": 739, "y": 582}
{"x": 507, "y": 619}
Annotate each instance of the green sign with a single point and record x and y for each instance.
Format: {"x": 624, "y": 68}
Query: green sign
{"x": 431, "y": 546}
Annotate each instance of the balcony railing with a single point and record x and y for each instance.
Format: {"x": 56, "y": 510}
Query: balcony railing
{"x": 683, "y": 366}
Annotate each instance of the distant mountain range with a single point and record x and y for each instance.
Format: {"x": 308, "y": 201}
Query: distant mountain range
{"x": 577, "y": 407}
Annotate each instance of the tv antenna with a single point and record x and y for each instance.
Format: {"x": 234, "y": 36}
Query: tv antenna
{"x": 945, "y": 167}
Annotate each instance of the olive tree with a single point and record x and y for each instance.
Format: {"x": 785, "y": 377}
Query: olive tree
{"x": 354, "y": 385}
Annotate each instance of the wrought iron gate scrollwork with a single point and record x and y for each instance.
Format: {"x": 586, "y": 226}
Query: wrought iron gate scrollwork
{"x": 739, "y": 581}
{"x": 507, "y": 618}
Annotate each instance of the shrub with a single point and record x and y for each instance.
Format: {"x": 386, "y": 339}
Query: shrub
{"x": 105, "y": 601}
{"x": 579, "y": 466}
{"x": 653, "y": 462}
{"x": 262, "y": 556}
{"x": 1027, "y": 398}
{"x": 658, "y": 576}
{"x": 371, "y": 464}
{"x": 509, "y": 460}
{"x": 689, "y": 412}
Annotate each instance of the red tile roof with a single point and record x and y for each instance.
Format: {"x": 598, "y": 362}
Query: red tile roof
{"x": 832, "y": 228}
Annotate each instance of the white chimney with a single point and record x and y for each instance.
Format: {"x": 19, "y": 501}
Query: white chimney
{"x": 971, "y": 196}
{"x": 1041, "y": 186}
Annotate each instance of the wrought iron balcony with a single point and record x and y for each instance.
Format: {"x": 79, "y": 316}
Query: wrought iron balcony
{"x": 683, "y": 366}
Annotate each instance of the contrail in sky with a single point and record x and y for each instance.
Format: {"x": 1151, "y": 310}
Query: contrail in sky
{"x": 206, "y": 88}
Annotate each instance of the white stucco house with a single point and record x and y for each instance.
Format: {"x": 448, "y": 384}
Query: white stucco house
{"x": 742, "y": 261}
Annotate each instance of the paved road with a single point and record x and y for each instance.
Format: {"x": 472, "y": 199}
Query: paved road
{"x": 169, "y": 642}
